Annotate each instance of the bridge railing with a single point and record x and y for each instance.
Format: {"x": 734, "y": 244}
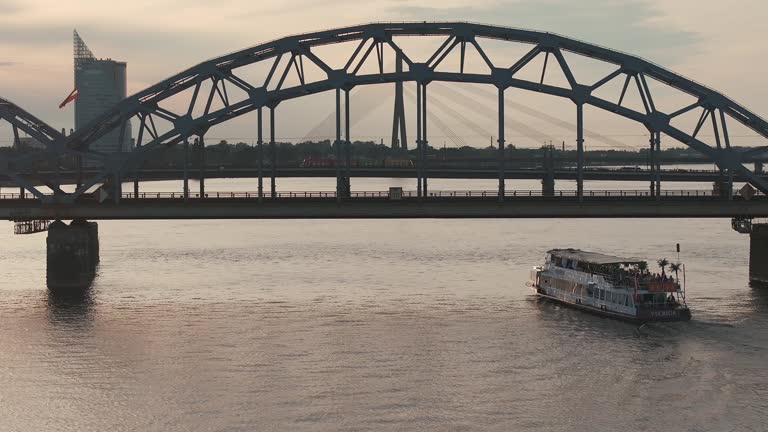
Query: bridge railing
{"x": 405, "y": 195}
{"x": 431, "y": 194}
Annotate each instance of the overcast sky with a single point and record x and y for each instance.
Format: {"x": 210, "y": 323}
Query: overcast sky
{"x": 721, "y": 44}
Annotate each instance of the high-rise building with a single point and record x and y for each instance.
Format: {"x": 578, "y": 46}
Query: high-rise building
{"x": 100, "y": 84}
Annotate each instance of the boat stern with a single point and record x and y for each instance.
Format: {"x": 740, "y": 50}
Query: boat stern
{"x": 535, "y": 277}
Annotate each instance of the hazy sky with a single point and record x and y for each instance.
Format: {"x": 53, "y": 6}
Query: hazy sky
{"x": 721, "y": 44}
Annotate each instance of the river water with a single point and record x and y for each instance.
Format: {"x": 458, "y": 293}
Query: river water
{"x": 374, "y": 325}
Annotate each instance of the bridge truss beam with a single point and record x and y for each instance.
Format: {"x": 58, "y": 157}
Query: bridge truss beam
{"x": 217, "y": 91}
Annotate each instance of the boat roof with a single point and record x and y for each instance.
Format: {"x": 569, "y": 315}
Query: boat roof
{"x": 592, "y": 257}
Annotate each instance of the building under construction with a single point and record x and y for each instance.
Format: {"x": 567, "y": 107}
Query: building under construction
{"x": 100, "y": 84}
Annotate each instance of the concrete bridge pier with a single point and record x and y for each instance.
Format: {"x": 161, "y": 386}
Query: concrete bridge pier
{"x": 73, "y": 253}
{"x": 758, "y": 253}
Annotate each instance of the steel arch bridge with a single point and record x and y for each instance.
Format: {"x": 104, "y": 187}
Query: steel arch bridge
{"x": 218, "y": 90}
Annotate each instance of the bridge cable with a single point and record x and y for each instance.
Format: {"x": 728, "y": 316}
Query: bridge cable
{"x": 511, "y": 123}
{"x": 551, "y": 119}
{"x": 362, "y": 108}
{"x": 441, "y": 106}
{"x": 444, "y": 128}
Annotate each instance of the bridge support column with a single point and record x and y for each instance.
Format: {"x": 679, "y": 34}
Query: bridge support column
{"x": 580, "y": 151}
{"x": 186, "y": 169}
{"x": 118, "y": 177}
{"x": 342, "y": 177}
{"x": 419, "y": 154}
{"x": 17, "y": 147}
{"x": 730, "y": 184}
{"x": 652, "y": 163}
{"x": 347, "y": 146}
{"x": 260, "y": 143}
{"x": 72, "y": 255}
{"x": 135, "y": 184}
{"x": 136, "y": 175}
{"x": 759, "y": 168}
{"x": 117, "y": 188}
{"x": 79, "y": 181}
{"x": 758, "y": 253}
{"x": 202, "y": 165}
{"x": 272, "y": 153}
{"x": 424, "y": 142}
{"x": 548, "y": 185}
{"x": 548, "y": 182}
{"x": 337, "y": 145}
{"x": 657, "y": 171}
{"x": 501, "y": 144}
{"x": 723, "y": 186}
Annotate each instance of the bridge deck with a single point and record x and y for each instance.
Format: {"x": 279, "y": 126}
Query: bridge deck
{"x": 311, "y": 205}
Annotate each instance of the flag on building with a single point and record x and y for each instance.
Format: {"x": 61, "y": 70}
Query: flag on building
{"x": 72, "y": 96}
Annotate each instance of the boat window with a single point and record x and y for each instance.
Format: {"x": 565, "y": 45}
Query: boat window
{"x": 602, "y": 294}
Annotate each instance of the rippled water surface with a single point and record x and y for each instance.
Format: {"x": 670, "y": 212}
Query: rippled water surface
{"x": 374, "y": 325}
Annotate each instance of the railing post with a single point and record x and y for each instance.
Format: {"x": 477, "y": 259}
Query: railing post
{"x": 260, "y": 143}
{"x": 501, "y": 144}
{"x": 580, "y": 150}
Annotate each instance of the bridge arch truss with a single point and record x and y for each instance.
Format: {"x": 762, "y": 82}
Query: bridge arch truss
{"x": 218, "y": 90}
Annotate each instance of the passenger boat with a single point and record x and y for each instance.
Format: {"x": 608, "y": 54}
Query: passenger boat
{"x": 611, "y": 286}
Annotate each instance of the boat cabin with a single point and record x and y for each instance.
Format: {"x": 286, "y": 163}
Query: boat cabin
{"x": 621, "y": 272}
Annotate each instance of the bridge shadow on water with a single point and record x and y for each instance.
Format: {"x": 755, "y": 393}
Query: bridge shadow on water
{"x": 70, "y": 307}
{"x": 759, "y": 294}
